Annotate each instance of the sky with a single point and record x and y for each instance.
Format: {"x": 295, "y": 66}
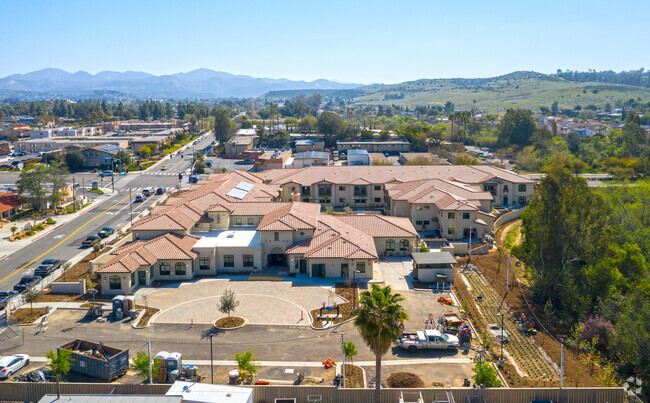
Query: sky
{"x": 350, "y": 41}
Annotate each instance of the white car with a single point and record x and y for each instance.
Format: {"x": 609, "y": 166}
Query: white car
{"x": 11, "y": 364}
{"x": 163, "y": 168}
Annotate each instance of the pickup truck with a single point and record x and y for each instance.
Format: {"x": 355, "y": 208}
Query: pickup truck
{"x": 43, "y": 270}
{"x": 427, "y": 339}
{"x": 27, "y": 282}
{"x": 90, "y": 241}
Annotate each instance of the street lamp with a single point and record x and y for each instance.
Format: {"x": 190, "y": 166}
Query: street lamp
{"x": 501, "y": 359}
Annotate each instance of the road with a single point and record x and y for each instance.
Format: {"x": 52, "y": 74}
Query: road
{"x": 115, "y": 211}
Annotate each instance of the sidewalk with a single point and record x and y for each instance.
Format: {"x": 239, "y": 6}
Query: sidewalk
{"x": 7, "y": 248}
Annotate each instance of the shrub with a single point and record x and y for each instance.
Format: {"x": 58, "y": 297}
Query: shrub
{"x": 29, "y": 232}
{"x": 50, "y": 221}
{"x": 17, "y": 237}
{"x": 39, "y": 227}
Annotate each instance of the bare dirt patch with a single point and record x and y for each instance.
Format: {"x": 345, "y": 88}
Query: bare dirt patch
{"x": 229, "y": 323}
{"x": 404, "y": 380}
{"x": 346, "y": 311}
{"x": 353, "y": 376}
{"x": 26, "y": 316}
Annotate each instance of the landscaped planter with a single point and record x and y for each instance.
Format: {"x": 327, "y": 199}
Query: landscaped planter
{"x": 241, "y": 322}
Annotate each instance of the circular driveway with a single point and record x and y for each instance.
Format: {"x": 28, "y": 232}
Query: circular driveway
{"x": 261, "y": 302}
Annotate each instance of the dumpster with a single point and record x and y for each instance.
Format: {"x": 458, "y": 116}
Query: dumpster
{"x": 97, "y": 360}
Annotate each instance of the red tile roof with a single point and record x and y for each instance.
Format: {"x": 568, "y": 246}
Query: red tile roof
{"x": 9, "y": 201}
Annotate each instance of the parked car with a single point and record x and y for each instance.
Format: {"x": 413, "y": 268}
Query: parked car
{"x": 208, "y": 164}
{"x": 27, "y": 282}
{"x": 147, "y": 191}
{"x": 11, "y": 364}
{"x": 55, "y": 263}
{"x": 90, "y": 240}
{"x": 194, "y": 179}
{"x": 163, "y": 168}
{"x": 139, "y": 198}
{"x": 106, "y": 232}
{"x": 427, "y": 339}
{"x": 160, "y": 191}
{"x": 5, "y": 296}
{"x": 43, "y": 270}
{"x": 105, "y": 173}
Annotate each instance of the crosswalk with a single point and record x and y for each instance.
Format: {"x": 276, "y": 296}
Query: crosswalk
{"x": 160, "y": 173}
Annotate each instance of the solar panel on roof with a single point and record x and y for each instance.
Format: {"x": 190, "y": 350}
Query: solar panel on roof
{"x": 237, "y": 193}
{"x": 244, "y": 186}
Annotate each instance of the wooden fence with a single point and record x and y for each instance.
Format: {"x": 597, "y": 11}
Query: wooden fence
{"x": 33, "y": 392}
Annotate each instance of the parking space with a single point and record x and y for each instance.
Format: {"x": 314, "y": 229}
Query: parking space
{"x": 228, "y": 164}
{"x": 397, "y": 272}
{"x": 261, "y": 302}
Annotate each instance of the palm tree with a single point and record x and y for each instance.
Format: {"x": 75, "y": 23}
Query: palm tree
{"x": 59, "y": 365}
{"x": 378, "y": 320}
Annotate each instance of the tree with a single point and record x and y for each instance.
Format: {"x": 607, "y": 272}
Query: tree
{"x": 554, "y": 108}
{"x": 59, "y": 365}
{"x": 13, "y": 230}
{"x": 332, "y": 127}
{"x": 145, "y": 151}
{"x": 449, "y": 108}
{"x": 141, "y": 365}
{"x": 30, "y": 296}
{"x": 31, "y": 185}
{"x": 75, "y": 160}
{"x": 228, "y": 302}
{"x": 247, "y": 365}
{"x": 350, "y": 351}
{"x": 516, "y": 128}
{"x": 224, "y": 126}
{"x": 378, "y": 320}
{"x": 485, "y": 375}
{"x": 124, "y": 157}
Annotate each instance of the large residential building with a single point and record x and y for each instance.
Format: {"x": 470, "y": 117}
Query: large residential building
{"x": 375, "y": 146}
{"x": 234, "y": 223}
{"x": 59, "y": 143}
{"x": 451, "y": 200}
{"x": 98, "y": 156}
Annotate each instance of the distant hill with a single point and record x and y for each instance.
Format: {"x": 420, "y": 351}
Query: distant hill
{"x": 201, "y": 83}
{"x": 521, "y": 89}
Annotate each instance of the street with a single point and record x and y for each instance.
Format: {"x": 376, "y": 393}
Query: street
{"x": 114, "y": 211}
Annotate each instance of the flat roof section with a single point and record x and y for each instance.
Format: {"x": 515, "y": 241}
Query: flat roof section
{"x": 230, "y": 239}
{"x": 433, "y": 258}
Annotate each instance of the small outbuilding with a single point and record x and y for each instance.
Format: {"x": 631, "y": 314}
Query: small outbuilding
{"x": 434, "y": 267}
{"x": 192, "y": 392}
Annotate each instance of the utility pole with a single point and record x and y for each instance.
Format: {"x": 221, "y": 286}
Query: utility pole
{"x": 343, "y": 365}
{"x": 74, "y": 198}
{"x": 211, "y": 363}
{"x": 149, "y": 354}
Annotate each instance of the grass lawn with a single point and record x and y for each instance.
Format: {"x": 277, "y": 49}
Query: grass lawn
{"x": 98, "y": 191}
{"x": 27, "y": 315}
{"x": 172, "y": 150}
{"x": 177, "y": 146}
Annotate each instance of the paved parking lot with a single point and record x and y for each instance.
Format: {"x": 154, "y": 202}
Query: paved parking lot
{"x": 261, "y": 302}
{"x": 397, "y": 272}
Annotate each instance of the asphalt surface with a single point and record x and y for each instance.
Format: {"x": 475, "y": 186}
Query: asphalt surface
{"x": 115, "y": 211}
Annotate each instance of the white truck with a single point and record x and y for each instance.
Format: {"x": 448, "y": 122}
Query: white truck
{"x": 427, "y": 339}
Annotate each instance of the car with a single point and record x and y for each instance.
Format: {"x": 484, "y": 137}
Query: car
{"x": 106, "y": 232}
{"x": 163, "y": 168}
{"x": 147, "y": 191}
{"x": 43, "y": 270}
{"x": 11, "y": 364}
{"x": 139, "y": 198}
{"x": 105, "y": 173}
{"x": 208, "y": 164}
{"x": 90, "y": 240}
{"x": 56, "y": 263}
{"x": 27, "y": 282}
{"x": 194, "y": 179}
{"x": 5, "y": 296}
{"x": 160, "y": 191}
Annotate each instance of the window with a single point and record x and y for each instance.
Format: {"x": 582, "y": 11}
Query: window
{"x": 342, "y": 188}
{"x": 404, "y": 244}
{"x": 451, "y": 215}
{"x": 521, "y": 188}
{"x": 390, "y": 245}
{"x": 218, "y": 218}
{"x": 419, "y": 222}
{"x": 238, "y": 221}
{"x": 505, "y": 188}
{"x": 197, "y": 225}
{"x": 151, "y": 272}
{"x": 377, "y": 199}
{"x": 250, "y": 220}
{"x": 164, "y": 269}
{"x": 306, "y": 191}
{"x": 228, "y": 260}
{"x": 449, "y": 231}
{"x": 276, "y": 236}
{"x": 360, "y": 190}
{"x": 204, "y": 263}
{"x": 115, "y": 282}
{"x": 133, "y": 278}
{"x": 522, "y": 199}
{"x": 465, "y": 216}
{"x": 361, "y": 267}
{"x": 180, "y": 269}
{"x": 341, "y": 199}
{"x": 377, "y": 187}
{"x": 426, "y": 222}
{"x": 360, "y": 201}
{"x": 248, "y": 260}
{"x": 324, "y": 190}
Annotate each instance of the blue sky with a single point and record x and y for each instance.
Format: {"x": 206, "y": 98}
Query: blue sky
{"x": 352, "y": 41}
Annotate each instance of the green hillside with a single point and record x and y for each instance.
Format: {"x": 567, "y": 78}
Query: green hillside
{"x": 516, "y": 90}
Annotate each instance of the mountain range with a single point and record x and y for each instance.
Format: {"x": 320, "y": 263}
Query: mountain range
{"x": 200, "y": 83}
